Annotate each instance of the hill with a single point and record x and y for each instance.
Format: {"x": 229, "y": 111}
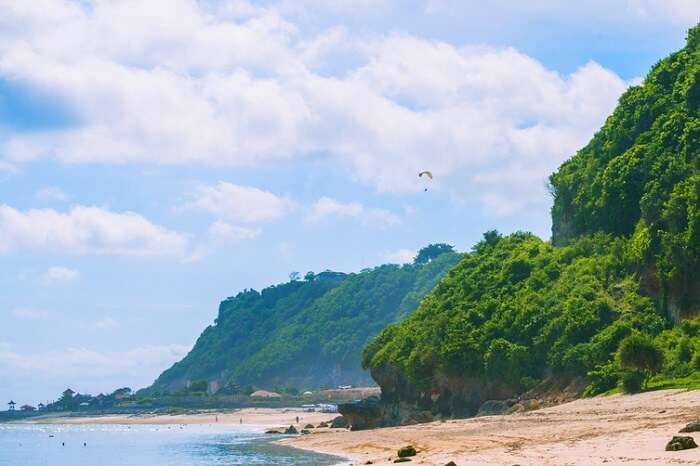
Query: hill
{"x": 600, "y": 300}
{"x": 305, "y": 333}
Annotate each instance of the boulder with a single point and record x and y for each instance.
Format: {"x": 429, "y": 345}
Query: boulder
{"x": 305, "y": 431}
{"x": 291, "y": 430}
{"x": 323, "y": 424}
{"x": 495, "y": 407}
{"x": 309, "y": 426}
{"x": 418, "y": 417}
{"x": 691, "y": 427}
{"x": 408, "y": 450}
{"x": 339, "y": 423}
{"x": 681, "y": 442}
{"x": 451, "y": 463}
{"x": 273, "y": 431}
{"x": 402, "y": 460}
{"x": 363, "y": 414}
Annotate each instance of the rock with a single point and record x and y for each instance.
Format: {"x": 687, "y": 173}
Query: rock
{"x": 408, "y": 450}
{"x": 368, "y": 462}
{"x": 339, "y": 423}
{"x": 451, "y": 463}
{"x": 309, "y": 426}
{"x": 323, "y": 424}
{"x": 363, "y": 414}
{"x": 495, "y": 407}
{"x": 681, "y": 442}
{"x": 291, "y": 430}
{"x": 419, "y": 417}
{"x": 691, "y": 427}
{"x": 273, "y": 431}
{"x": 305, "y": 431}
{"x": 402, "y": 460}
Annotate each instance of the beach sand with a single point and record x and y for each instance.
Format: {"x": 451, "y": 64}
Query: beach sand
{"x": 619, "y": 429}
{"x": 264, "y": 417}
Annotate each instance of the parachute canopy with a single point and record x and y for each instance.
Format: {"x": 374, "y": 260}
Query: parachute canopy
{"x": 426, "y": 173}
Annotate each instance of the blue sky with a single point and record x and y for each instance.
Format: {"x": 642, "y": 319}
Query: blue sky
{"x": 155, "y": 159}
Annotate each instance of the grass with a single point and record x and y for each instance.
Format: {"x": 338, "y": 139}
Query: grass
{"x": 661, "y": 382}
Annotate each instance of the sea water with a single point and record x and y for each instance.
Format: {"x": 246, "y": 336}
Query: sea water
{"x": 147, "y": 445}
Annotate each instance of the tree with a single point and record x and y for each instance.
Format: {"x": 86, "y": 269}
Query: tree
{"x": 432, "y": 251}
{"x": 294, "y": 276}
{"x": 310, "y": 276}
{"x": 637, "y": 352}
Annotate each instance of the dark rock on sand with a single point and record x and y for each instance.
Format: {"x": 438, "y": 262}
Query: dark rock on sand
{"x": 681, "y": 442}
{"x": 273, "y": 431}
{"x": 451, "y": 463}
{"x": 305, "y": 431}
{"x": 323, "y": 424}
{"x": 408, "y": 450}
{"x": 339, "y": 423}
{"x": 691, "y": 427}
{"x": 402, "y": 460}
{"x": 291, "y": 430}
{"x": 309, "y": 426}
{"x": 363, "y": 414}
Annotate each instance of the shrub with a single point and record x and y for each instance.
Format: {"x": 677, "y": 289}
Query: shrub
{"x": 632, "y": 381}
{"x": 603, "y": 378}
{"x": 639, "y": 353}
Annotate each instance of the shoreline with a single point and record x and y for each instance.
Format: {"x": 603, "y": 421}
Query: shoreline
{"x": 618, "y": 429}
{"x": 261, "y": 417}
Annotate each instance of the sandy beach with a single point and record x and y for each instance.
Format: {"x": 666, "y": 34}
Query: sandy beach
{"x": 619, "y": 429}
{"x": 264, "y": 417}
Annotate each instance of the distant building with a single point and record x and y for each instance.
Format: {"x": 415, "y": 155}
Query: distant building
{"x": 11, "y": 405}
{"x": 265, "y": 395}
{"x": 27, "y": 408}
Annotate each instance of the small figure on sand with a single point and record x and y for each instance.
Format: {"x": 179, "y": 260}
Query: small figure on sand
{"x": 297, "y": 419}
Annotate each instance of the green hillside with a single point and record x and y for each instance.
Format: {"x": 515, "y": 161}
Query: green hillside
{"x": 602, "y": 298}
{"x": 306, "y": 333}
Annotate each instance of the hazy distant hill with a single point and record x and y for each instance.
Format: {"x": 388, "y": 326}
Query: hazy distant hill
{"x": 306, "y": 333}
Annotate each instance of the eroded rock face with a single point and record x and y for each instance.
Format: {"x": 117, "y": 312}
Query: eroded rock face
{"x": 496, "y": 407}
{"x": 681, "y": 442}
{"x": 364, "y": 414}
{"x": 339, "y": 422}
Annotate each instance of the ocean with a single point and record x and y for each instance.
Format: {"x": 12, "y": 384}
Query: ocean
{"x": 147, "y": 445}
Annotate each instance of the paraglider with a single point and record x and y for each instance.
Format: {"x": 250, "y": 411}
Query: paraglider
{"x": 427, "y": 174}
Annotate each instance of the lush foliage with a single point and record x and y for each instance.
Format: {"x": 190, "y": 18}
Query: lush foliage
{"x": 517, "y": 309}
{"x": 621, "y": 270}
{"x": 306, "y": 333}
{"x": 640, "y": 177}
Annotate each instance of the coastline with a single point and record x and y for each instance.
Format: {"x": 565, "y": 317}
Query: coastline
{"x": 618, "y": 429}
{"x": 262, "y": 417}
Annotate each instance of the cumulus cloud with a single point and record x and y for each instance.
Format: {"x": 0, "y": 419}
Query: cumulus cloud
{"x": 400, "y": 256}
{"x": 245, "y": 204}
{"x": 51, "y": 194}
{"x": 86, "y": 230}
{"x": 327, "y": 207}
{"x": 200, "y": 83}
{"x": 61, "y": 274}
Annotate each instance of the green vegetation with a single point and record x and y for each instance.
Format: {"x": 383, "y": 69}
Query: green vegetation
{"x": 639, "y": 177}
{"x": 305, "y": 333}
{"x": 602, "y": 299}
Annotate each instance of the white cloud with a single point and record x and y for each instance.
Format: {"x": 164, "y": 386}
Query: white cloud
{"x": 86, "y": 230}
{"x": 226, "y": 232}
{"x": 61, "y": 274}
{"x": 328, "y": 207}
{"x": 185, "y": 82}
{"x": 400, "y": 256}
{"x": 239, "y": 203}
{"x": 30, "y": 314}
{"x": 51, "y": 194}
